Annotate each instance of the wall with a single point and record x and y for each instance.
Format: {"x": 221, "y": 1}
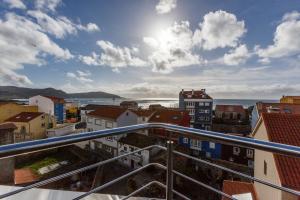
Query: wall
{"x": 265, "y": 192}
{"x": 11, "y": 109}
{"x": 44, "y": 104}
{"x": 127, "y": 118}
{"x": 59, "y": 112}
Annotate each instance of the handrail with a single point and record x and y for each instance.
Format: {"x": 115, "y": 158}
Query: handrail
{"x": 55, "y": 142}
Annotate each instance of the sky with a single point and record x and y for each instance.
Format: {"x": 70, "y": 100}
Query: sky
{"x": 244, "y": 49}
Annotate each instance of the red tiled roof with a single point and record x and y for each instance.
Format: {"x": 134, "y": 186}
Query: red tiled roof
{"x": 285, "y": 128}
{"x": 237, "y": 187}
{"x": 230, "y": 108}
{"x": 196, "y": 94}
{"x": 56, "y": 99}
{"x": 7, "y": 125}
{"x": 108, "y": 112}
{"x": 169, "y": 116}
{"x": 143, "y": 112}
{"x": 278, "y": 107}
{"x": 23, "y": 176}
{"x": 24, "y": 117}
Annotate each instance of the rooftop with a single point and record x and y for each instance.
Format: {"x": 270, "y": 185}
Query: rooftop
{"x": 55, "y": 99}
{"x": 7, "y": 126}
{"x": 143, "y": 112}
{"x": 95, "y": 106}
{"x": 230, "y": 108}
{"x": 138, "y": 140}
{"x": 238, "y": 187}
{"x": 195, "y": 94}
{"x": 111, "y": 112}
{"x": 24, "y": 117}
{"x": 170, "y": 116}
{"x": 277, "y": 107}
{"x": 285, "y": 128}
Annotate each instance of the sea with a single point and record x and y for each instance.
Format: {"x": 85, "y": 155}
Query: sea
{"x": 168, "y": 102}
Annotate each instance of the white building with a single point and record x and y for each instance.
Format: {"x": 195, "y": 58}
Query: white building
{"x": 277, "y": 169}
{"x": 61, "y": 130}
{"x": 105, "y": 118}
{"x": 133, "y": 142}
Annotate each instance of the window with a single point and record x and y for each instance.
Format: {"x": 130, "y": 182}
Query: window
{"x": 201, "y": 104}
{"x": 109, "y": 138}
{"x": 98, "y": 122}
{"x": 125, "y": 148}
{"x": 207, "y": 104}
{"x": 206, "y": 111}
{"x": 196, "y": 143}
{"x": 208, "y": 154}
{"x": 212, "y": 145}
{"x": 108, "y": 124}
{"x": 144, "y": 119}
{"x": 140, "y": 153}
{"x": 89, "y": 120}
{"x": 43, "y": 124}
{"x": 207, "y": 119}
{"x": 43, "y": 116}
{"x": 250, "y": 153}
{"x": 185, "y": 140}
{"x": 236, "y": 150}
{"x": 265, "y": 167}
{"x": 127, "y": 113}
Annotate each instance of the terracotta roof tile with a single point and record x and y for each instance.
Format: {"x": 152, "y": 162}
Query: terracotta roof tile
{"x": 55, "y": 99}
{"x": 285, "y": 128}
{"x": 24, "y": 117}
{"x": 23, "y": 176}
{"x": 237, "y": 187}
{"x": 107, "y": 112}
{"x": 278, "y": 107}
{"x": 169, "y": 116}
{"x": 7, "y": 125}
{"x": 143, "y": 112}
{"x": 230, "y": 108}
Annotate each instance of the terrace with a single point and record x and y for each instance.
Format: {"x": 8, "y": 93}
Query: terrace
{"x": 168, "y": 183}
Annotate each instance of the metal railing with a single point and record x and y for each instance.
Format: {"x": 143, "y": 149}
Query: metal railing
{"x": 12, "y": 150}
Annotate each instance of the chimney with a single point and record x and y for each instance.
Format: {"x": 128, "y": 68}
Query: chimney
{"x": 203, "y": 90}
{"x": 192, "y": 91}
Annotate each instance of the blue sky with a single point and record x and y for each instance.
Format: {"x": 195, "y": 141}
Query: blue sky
{"x": 152, "y": 48}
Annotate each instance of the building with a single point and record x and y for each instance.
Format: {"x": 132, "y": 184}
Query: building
{"x": 231, "y": 119}
{"x": 261, "y": 107}
{"x": 143, "y": 116}
{"x": 134, "y": 142}
{"x": 84, "y": 110}
{"x": 238, "y": 155}
{"x": 274, "y": 168}
{"x": 7, "y": 164}
{"x": 169, "y": 116}
{"x": 199, "y": 105}
{"x": 9, "y": 109}
{"x": 60, "y": 130}
{"x": 105, "y": 118}
{"x": 72, "y": 112}
{"x": 30, "y": 125}
{"x": 53, "y": 106}
{"x": 129, "y": 104}
{"x": 290, "y": 99}
{"x": 239, "y": 190}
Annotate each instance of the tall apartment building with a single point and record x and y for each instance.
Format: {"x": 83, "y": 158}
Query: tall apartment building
{"x": 200, "y": 107}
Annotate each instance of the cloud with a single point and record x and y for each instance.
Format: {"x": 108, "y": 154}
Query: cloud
{"x": 286, "y": 38}
{"x": 165, "y": 6}
{"x": 8, "y": 76}
{"x": 80, "y": 76}
{"x": 23, "y": 42}
{"x": 237, "y": 56}
{"x": 15, "y": 4}
{"x": 114, "y": 56}
{"x": 60, "y": 26}
{"x": 219, "y": 29}
{"x": 47, "y": 4}
{"x": 172, "y": 48}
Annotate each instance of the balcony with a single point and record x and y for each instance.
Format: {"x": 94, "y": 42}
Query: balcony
{"x": 167, "y": 183}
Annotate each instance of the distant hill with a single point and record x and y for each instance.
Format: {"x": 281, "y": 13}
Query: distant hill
{"x": 12, "y": 92}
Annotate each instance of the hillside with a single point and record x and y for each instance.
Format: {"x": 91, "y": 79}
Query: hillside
{"x": 12, "y": 92}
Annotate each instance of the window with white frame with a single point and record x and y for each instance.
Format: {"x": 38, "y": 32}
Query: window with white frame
{"x": 195, "y": 143}
{"x": 250, "y": 153}
{"x": 207, "y": 104}
{"x": 201, "y": 104}
{"x": 185, "y": 140}
{"x": 236, "y": 150}
{"x": 98, "y": 122}
{"x": 208, "y": 155}
{"x": 212, "y": 145}
{"x": 110, "y": 138}
{"x": 89, "y": 120}
{"x": 108, "y": 124}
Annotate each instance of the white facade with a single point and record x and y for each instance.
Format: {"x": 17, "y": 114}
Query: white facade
{"x": 61, "y": 130}
{"x": 133, "y": 161}
{"x": 44, "y": 104}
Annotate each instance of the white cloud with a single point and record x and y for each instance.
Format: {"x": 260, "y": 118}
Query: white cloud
{"x": 172, "y": 48}
{"x": 219, "y": 29}
{"x": 23, "y": 42}
{"x": 15, "y": 4}
{"x": 47, "y": 4}
{"x": 81, "y": 76}
{"x": 237, "y": 56}
{"x": 286, "y": 38}
{"x": 60, "y": 26}
{"x": 114, "y": 56}
{"x": 165, "y": 6}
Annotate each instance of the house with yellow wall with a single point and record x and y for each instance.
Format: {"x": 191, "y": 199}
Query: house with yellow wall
{"x": 30, "y": 125}
{"x": 290, "y": 99}
{"x": 10, "y": 109}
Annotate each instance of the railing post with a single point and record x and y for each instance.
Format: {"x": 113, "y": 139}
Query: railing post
{"x": 169, "y": 190}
